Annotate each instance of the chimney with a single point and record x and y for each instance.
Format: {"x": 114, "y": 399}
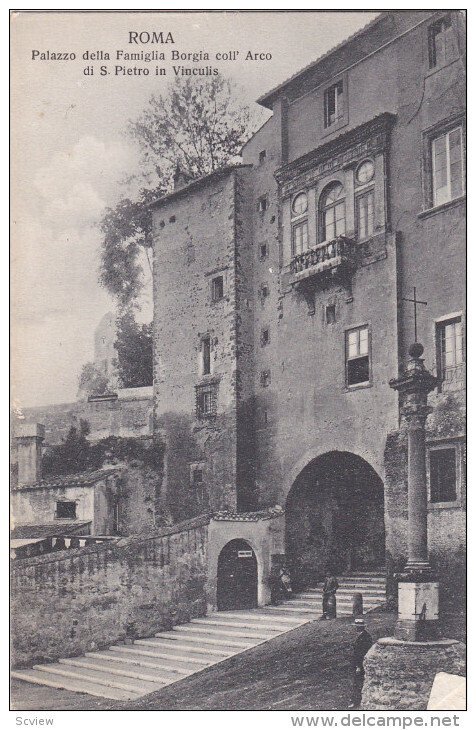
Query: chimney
{"x": 181, "y": 179}
{"x": 29, "y": 438}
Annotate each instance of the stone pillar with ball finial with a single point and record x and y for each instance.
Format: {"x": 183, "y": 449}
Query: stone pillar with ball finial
{"x": 400, "y": 669}
{"x": 418, "y": 584}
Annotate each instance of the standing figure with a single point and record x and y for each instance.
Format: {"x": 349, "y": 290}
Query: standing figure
{"x": 329, "y": 596}
{"x": 361, "y": 645}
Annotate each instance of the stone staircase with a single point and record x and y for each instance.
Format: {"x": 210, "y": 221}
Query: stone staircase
{"x": 128, "y": 671}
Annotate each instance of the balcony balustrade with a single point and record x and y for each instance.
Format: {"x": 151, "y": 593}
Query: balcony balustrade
{"x": 324, "y": 259}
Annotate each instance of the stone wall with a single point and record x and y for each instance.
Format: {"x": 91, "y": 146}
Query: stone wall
{"x": 78, "y": 600}
{"x": 399, "y": 674}
{"x": 127, "y": 415}
{"x": 195, "y": 240}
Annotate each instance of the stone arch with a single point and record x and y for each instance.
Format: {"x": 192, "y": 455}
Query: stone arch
{"x": 334, "y": 517}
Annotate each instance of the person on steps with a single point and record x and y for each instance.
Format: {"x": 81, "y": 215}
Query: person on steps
{"x": 329, "y": 596}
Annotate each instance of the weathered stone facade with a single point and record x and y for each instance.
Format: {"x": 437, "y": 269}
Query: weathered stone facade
{"x": 281, "y": 333}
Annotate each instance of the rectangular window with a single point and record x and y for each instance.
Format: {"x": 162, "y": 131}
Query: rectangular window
{"x": 265, "y": 378}
{"x": 333, "y": 104}
{"x": 442, "y": 42}
{"x": 449, "y": 336}
{"x": 330, "y": 314}
{"x": 265, "y": 338}
{"x": 263, "y": 204}
{"x": 443, "y": 475}
{"x": 262, "y": 157}
{"x": 357, "y": 356}
{"x": 206, "y": 355}
{"x": 300, "y": 238}
{"x": 447, "y": 166}
{"x": 66, "y": 510}
{"x": 263, "y": 251}
{"x": 365, "y": 215}
{"x": 206, "y": 400}
{"x": 217, "y": 288}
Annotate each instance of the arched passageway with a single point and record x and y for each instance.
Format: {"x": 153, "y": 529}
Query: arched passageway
{"x": 334, "y": 518}
{"x": 237, "y": 578}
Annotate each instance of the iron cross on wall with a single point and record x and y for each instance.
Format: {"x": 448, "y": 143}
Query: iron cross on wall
{"x": 415, "y": 301}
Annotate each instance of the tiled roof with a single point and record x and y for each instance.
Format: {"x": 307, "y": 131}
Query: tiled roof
{"x": 83, "y": 479}
{"x": 265, "y": 514}
{"x": 51, "y": 529}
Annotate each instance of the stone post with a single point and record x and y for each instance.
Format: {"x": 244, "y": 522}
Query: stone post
{"x": 399, "y": 670}
{"x": 417, "y": 587}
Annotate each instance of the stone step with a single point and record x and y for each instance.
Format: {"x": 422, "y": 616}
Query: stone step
{"x": 343, "y": 596}
{"x": 102, "y": 678}
{"x": 352, "y": 588}
{"x": 159, "y": 677}
{"x": 138, "y": 660}
{"x": 73, "y": 685}
{"x": 180, "y": 646}
{"x": 268, "y": 626}
{"x": 219, "y": 632}
{"x": 260, "y": 616}
{"x": 222, "y": 642}
{"x": 173, "y": 656}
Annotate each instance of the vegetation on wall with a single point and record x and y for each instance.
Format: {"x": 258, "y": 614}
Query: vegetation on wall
{"x": 134, "y": 352}
{"x": 76, "y": 454}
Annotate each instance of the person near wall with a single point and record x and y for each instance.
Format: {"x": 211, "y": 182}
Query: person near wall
{"x": 360, "y": 647}
{"x": 329, "y": 596}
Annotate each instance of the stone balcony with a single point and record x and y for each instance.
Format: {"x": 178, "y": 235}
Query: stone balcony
{"x": 324, "y": 261}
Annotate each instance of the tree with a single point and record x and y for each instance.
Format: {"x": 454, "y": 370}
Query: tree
{"x": 92, "y": 381}
{"x": 134, "y": 351}
{"x": 72, "y": 456}
{"x": 196, "y": 127}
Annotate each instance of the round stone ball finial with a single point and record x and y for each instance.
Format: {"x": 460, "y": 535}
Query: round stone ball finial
{"x": 416, "y": 350}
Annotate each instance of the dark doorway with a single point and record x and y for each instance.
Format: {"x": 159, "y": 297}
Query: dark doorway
{"x": 237, "y": 580}
{"x": 334, "y": 518}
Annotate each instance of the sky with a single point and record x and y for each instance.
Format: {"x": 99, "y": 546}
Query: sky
{"x": 70, "y": 156}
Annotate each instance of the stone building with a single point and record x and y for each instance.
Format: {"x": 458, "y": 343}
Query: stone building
{"x": 281, "y": 312}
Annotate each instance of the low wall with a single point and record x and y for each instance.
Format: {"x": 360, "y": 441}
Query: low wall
{"x": 78, "y": 600}
{"x": 127, "y": 415}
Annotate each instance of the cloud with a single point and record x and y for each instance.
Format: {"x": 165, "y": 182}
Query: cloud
{"x": 78, "y": 183}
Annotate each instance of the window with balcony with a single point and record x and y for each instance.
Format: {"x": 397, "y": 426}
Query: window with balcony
{"x": 334, "y": 104}
{"x": 447, "y": 166}
{"x": 449, "y": 339}
{"x": 442, "y": 42}
{"x": 65, "y": 510}
{"x": 357, "y": 356}
{"x": 332, "y": 213}
{"x": 443, "y": 474}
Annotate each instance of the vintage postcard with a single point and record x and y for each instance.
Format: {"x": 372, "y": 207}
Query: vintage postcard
{"x": 238, "y": 422}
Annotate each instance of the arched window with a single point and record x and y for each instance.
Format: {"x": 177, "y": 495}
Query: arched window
{"x": 332, "y": 213}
